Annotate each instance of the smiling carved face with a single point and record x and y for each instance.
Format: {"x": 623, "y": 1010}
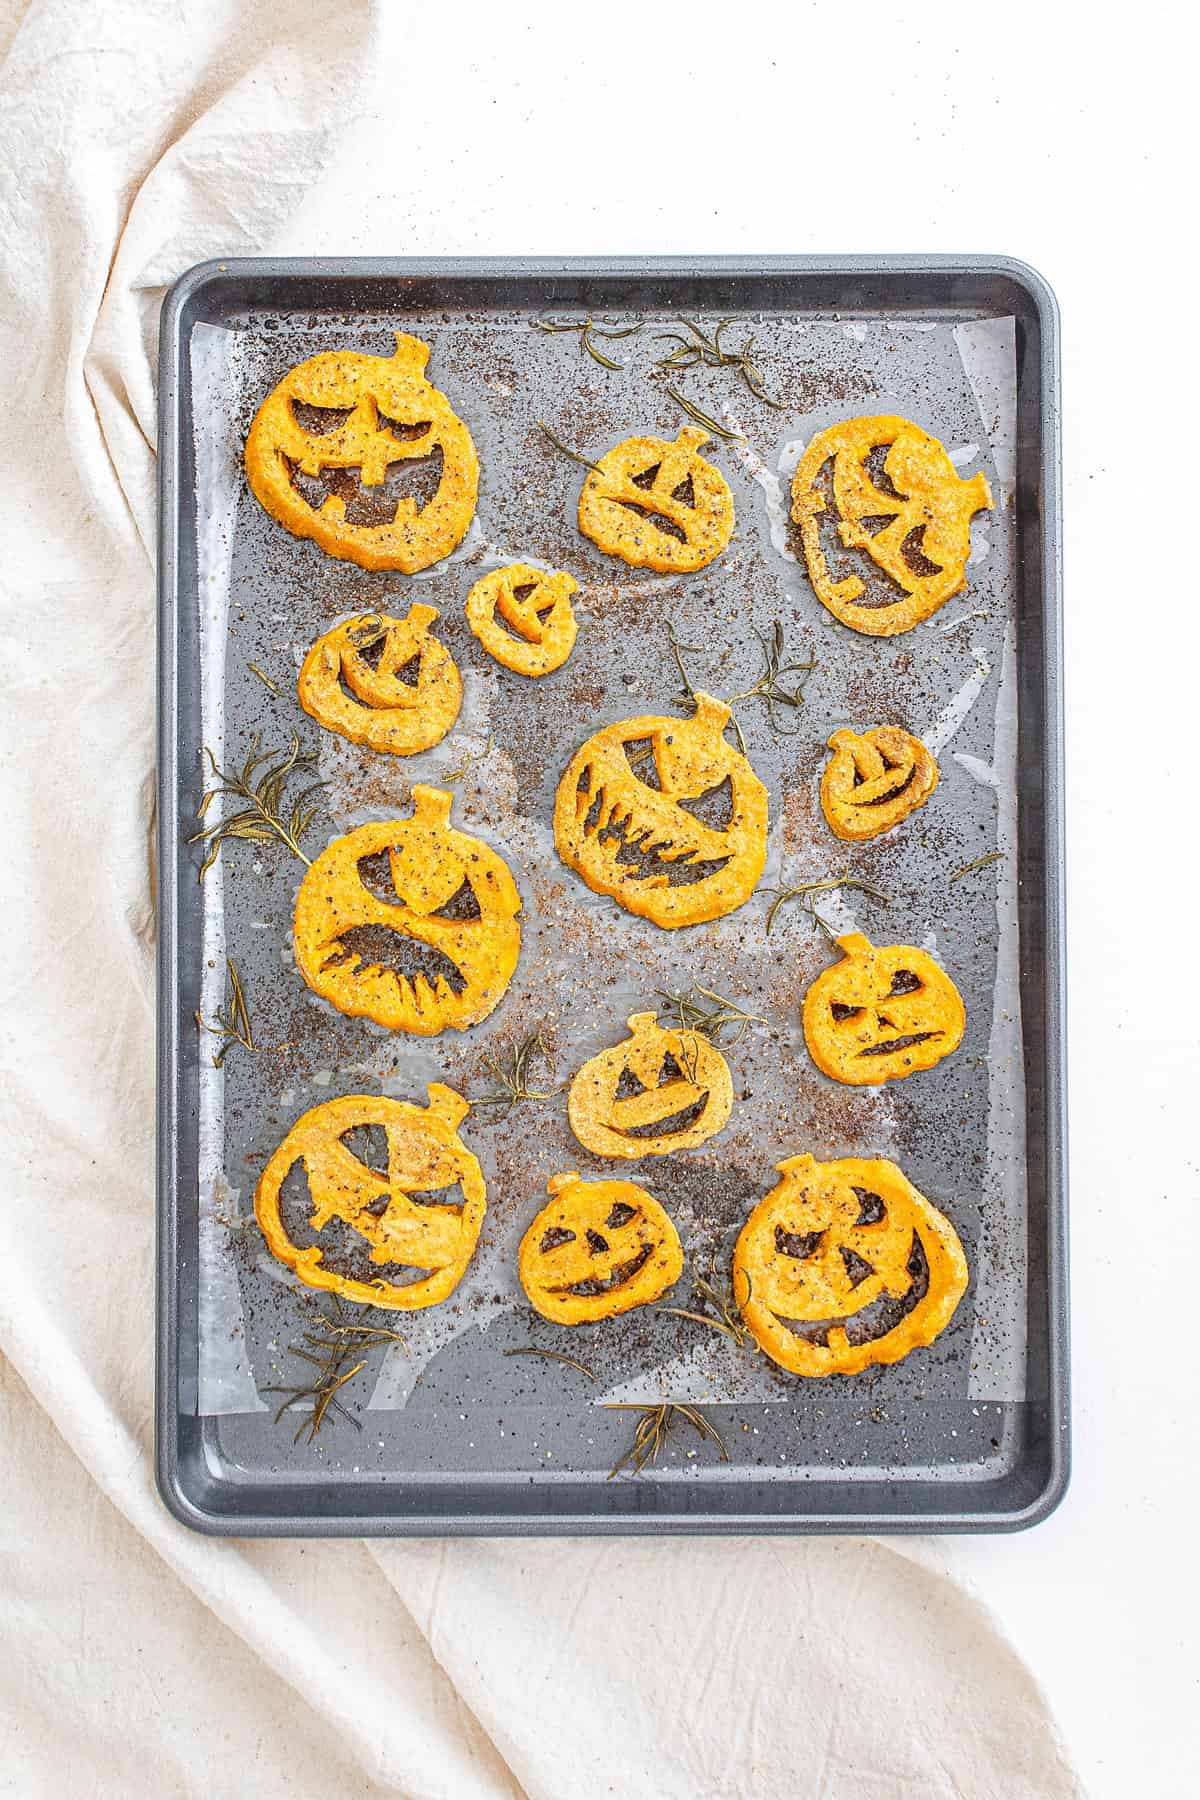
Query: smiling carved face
{"x": 881, "y": 1013}
{"x": 366, "y": 457}
{"x": 524, "y": 618}
{"x": 845, "y": 1264}
{"x": 658, "y": 505}
{"x": 409, "y": 922}
{"x": 395, "y": 1228}
{"x": 599, "y": 1248}
{"x": 658, "y": 1091}
{"x": 665, "y": 816}
{"x": 382, "y": 681}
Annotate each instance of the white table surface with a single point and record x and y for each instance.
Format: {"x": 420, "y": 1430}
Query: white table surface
{"x": 1061, "y": 139}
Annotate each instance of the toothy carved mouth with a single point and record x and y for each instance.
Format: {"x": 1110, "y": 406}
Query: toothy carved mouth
{"x": 639, "y": 846}
{"x": 879, "y": 1316}
{"x": 421, "y": 970}
{"x": 415, "y": 478}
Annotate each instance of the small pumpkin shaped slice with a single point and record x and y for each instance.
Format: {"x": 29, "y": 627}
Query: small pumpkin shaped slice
{"x": 384, "y": 682}
{"x": 881, "y": 1013}
{"x": 597, "y": 1249}
{"x": 658, "y": 504}
{"x": 409, "y": 922}
{"x": 659, "y": 1091}
{"x": 895, "y": 496}
{"x": 524, "y": 618}
{"x": 421, "y": 1211}
{"x": 844, "y": 1265}
{"x": 342, "y": 423}
{"x": 873, "y": 781}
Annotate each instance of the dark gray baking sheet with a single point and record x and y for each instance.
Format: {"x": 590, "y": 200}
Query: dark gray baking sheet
{"x": 454, "y": 1436}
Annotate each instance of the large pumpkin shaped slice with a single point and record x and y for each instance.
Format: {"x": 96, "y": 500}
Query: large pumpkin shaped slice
{"x": 896, "y": 496}
{"x": 845, "y": 1264}
{"x": 665, "y": 816}
{"x": 335, "y": 444}
{"x": 413, "y": 1209}
{"x": 409, "y": 922}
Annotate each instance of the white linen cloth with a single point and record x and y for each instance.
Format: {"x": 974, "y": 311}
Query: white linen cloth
{"x": 135, "y": 1658}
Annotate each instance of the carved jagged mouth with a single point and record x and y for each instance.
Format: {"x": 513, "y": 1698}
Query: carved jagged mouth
{"x": 877, "y": 1318}
{"x": 595, "y": 1285}
{"x": 420, "y": 969}
{"x": 415, "y": 478}
{"x": 639, "y": 847}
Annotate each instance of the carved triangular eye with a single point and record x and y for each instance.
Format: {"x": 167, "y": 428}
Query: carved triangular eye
{"x": 452, "y": 1197}
{"x": 857, "y": 1267}
{"x": 369, "y": 1143}
{"x": 410, "y": 672}
{"x": 639, "y": 754}
{"x": 461, "y": 906}
{"x": 523, "y": 591}
{"x": 319, "y": 421}
{"x": 871, "y": 1208}
{"x": 685, "y": 493}
{"x": 713, "y": 808}
{"x": 555, "y": 1237}
{"x": 799, "y": 1244}
{"x": 670, "y": 1071}
{"x": 620, "y": 1215}
{"x": 628, "y": 1085}
{"x": 875, "y": 465}
{"x": 405, "y": 434}
{"x": 647, "y": 478}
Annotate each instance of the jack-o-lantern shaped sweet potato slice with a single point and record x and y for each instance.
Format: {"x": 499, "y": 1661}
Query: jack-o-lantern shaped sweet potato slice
{"x": 844, "y": 1264}
{"x": 366, "y": 457}
{"x": 384, "y": 682}
{"x": 874, "y": 781}
{"x": 881, "y": 1013}
{"x": 665, "y": 816}
{"x": 657, "y": 504}
{"x": 598, "y": 1248}
{"x": 409, "y": 922}
{"x": 396, "y": 1228}
{"x": 523, "y": 617}
{"x": 896, "y": 497}
{"x": 659, "y": 1091}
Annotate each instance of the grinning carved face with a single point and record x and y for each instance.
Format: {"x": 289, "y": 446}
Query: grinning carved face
{"x": 845, "y": 1264}
{"x": 658, "y": 505}
{"x": 895, "y": 495}
{"x": 409, "y": 922}
{"x": 523, "y": 618}
{"x": 658, "y": 1091}
{"x": 881, "y": 1013}
{"x": 874, "y": 781}
{"x": 416, "y": 1204}
{"x": 599, "y": 1248}
{"x": 383, "y": 682}
{"x": 665, "y": 816}
{"x": 338, "y": 445}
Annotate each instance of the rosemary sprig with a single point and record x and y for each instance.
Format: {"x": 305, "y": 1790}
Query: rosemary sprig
{"x": 808, "y": 892}
{"x": 572, "y": 1362}
{"x": 677, "y": 650}
{"x": 369, "y": 631}
{"x": 265, "y": 679}
{"x": 233, "y": 1025}
{"x": 727, "y": 1320}
{"x": 513, "y": 1074}
{"x": 329, "y": 1349}
{"x": 776, "y": 670}
{"x": 701, "y": 348}
{"x": 588, "y": 329}
{"x": 702, "y": 418}
{"x": 566, "y": 451}
{"x": 981, "y": 862}
{"x": 260, "y": 782}
{"x": 654, "y": 1427}
{"x": 707, "y": 1013}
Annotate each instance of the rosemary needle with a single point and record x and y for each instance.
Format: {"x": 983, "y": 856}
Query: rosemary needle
{"x": 702, "y": 418}
{"x": 588, "y": 330}
{"x": 566, "y": 451}
{"x": 232, "y": 1025}
{"x": 553, "y": 1356}
{"x": 265, "y": 679}
{"x": 708, "y": 1013}
{"x": 807, "y": 893}
{"x": 981, "y": 862}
